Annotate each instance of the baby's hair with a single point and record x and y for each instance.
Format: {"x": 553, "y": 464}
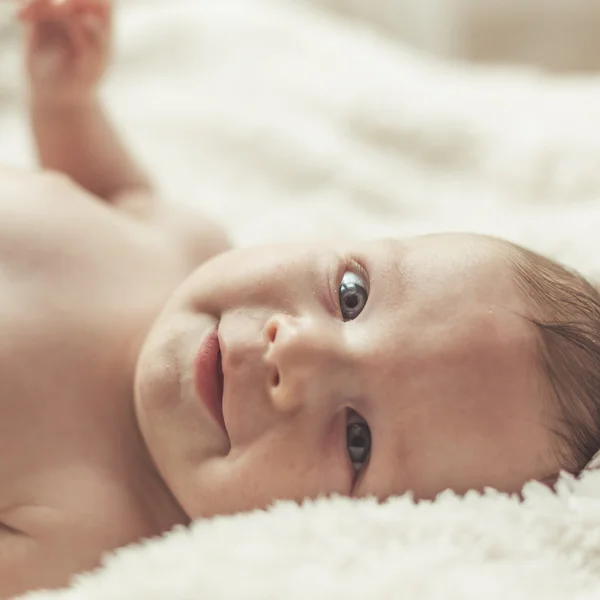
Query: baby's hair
{"x": 567, "y": 323}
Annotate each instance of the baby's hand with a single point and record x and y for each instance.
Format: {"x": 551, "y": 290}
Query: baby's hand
{"x": 68, "y": 46}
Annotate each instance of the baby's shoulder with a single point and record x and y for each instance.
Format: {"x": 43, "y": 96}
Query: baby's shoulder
{"x": 42, "y": 208}
{"x": 64, "y": 253}
{"x": 194, "y": 234}
{"x": 47, "y": 212}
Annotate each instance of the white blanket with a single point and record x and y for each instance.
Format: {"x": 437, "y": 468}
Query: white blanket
{"x": 294, "y": 124}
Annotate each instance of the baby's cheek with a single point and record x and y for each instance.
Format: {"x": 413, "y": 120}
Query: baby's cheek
{"x": 254, "y": 477}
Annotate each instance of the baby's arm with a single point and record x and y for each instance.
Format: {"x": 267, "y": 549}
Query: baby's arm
{"x": 67, "y": 51}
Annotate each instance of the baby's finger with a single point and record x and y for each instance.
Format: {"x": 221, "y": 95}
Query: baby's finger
{"x": 91, "y": 24}
{"x": 94, "y": 22}
{"x": 49, "y": 10}
{"x": 38, "y": 10}
{"x": 75, "y": 32}
{"x": 60, "y": 10}
{"x": 29, "y": 10}
{"x": 72, "y": 6}
{"x": 46, "y": 36}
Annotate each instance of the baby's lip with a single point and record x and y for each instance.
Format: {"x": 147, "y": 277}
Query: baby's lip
{"x": 208, "y": 376}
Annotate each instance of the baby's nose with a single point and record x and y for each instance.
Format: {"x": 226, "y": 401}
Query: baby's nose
{"x": 302, "y": 359}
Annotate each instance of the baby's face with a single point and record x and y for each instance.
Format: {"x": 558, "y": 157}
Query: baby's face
{"x": 370, "y": 369}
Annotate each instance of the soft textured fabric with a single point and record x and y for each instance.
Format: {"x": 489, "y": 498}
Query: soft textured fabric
{"x": 492, "y": 547}
{"x": 292, "y": 124}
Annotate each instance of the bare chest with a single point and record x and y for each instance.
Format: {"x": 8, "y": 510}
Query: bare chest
{"x": 78, "y": 289}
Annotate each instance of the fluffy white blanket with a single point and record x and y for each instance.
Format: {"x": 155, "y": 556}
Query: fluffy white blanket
{"x": 293, "y": 124}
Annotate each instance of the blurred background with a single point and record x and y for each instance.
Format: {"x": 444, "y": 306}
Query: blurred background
{"x": 303, "y": 119}
{"x": 558, "y": 35}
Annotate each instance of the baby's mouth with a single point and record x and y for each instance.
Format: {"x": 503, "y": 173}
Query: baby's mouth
{"x": 209, "y": 377}
{"x": 220, "y": 380}
{"x": 220, "y": 383}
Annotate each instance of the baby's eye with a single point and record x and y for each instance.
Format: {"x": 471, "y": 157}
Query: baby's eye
{"x": 358, "y": 440}
{"x": 353, "y": 295}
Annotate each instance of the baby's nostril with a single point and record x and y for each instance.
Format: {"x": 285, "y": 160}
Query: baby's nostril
{"x": 276, "y": 379}
{"x": 271, "y": 332}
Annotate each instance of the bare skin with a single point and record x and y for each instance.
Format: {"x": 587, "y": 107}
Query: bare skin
{"x": 418, "y": 348}
{"x": 88, "y": 257}
{"x": 438, "y": 370}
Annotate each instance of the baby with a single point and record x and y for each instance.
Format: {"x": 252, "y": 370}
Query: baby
{"x": 149, "y": 375}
